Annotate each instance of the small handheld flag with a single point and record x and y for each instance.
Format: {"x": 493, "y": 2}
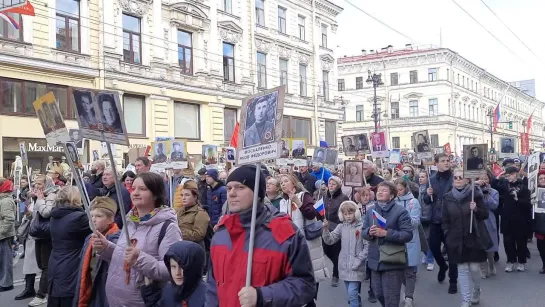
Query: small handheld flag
{"x": 319, "y": 206}
{"x": 379, "y": 220}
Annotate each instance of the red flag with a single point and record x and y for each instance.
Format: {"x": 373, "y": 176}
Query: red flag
{"x": 529, "y": 123}
{"x": 25, "y": 9}
{"x": 234, "y": 137}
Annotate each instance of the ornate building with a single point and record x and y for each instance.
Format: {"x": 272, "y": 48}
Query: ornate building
{"x": 434, "y": 89}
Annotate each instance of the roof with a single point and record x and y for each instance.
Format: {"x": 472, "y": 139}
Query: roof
{"x": 383, "y": 54}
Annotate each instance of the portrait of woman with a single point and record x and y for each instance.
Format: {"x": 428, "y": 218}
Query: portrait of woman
{"x": 353, "y": 173}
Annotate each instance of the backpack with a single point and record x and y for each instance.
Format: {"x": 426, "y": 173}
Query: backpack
{"x": 163, "y": 231}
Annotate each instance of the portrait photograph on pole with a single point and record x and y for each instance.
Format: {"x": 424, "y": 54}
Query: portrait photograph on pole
{"x": 379, "y": 147}
{"x": 474, "y": 159}
{"x": 230, "y": 154}
{"x": 51, "y": 120}
{"x": 73, "y": 155}
{"x": 395, "y": 156}
{"x": 261, "y": 126}
{"x": 209, "y": 155}
{"x": 23, "y": 153}
{"x": 331, "y": 156}
{"x": 285, "y": 148}
{"x": 178, "y": 154}
{"x": 507, "y": 147}
{"x": 540, "y": 206}
{"x": 353, "y": 173}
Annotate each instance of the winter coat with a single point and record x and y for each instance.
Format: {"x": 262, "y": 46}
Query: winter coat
{"x": 196, "y": 300}
{"x": 281, "y": 269}
{"x": 308, "y": 181}
{"x": 515, "y": 212}
{"x": 307, "y": 213}
{"x": 276, "y": 201}
{"x": 203, "y": 190}
{"x": 215, "y": 198}
{"x": 322, "y": 174}
{"x": 332, "y": 202}
{"x": 441, "y": 183}
{"x": 491, "y": 201}
{"x": 399, "y": 232}
{"x": 43, "y": 207}
{"x": 462, "y": 246}
{"x": 373, "y": 181}
{"x": 425, "y": 208}
{"x": 111, "y": 192}
{"x": 353, "y": 247}
{"x": 150, "y": 261}
{"x": 414, "y": 248}
{"x": 193, "y": 223}
{"x": 91, "y": 191}
{"x": 97, "y": 293}
{"x": 96, "y": 181}
{"x": 69, "y": 228}
{"x": 7, "y": 216}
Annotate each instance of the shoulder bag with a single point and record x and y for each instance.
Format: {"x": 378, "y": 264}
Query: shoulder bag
{"x": 393, "y": 254}
{"x": 39, "y": 227}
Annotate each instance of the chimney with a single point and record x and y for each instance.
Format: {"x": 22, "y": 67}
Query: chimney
{"x": 390, "y": 48}
{"x": 409, "y": 46}
{"x": 363, "y": 52}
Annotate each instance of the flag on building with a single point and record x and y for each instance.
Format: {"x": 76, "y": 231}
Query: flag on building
{"x": 497, "y": 117}
{"x": 379, "y": 220}
{"x": 529, "y": 123}
{"x": 234, "y": 137}
{"x": 25, "y": 8}
{"x": 319, "y": 206}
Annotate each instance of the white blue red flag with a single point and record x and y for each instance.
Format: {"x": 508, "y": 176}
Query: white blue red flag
{"x": 319, "y": 206}
{"x": 380, "y": 221}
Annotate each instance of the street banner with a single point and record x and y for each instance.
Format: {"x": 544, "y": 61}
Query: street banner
{"x": 474, "y": 160}
{"x": 50, "y": 117}
{"x": 353, "y": 173}
{"x": 354, "y": 144}
{"x": 379, "y": 148}
{"x": 507, "y": 148}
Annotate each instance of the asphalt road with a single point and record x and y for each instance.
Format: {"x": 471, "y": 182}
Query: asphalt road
{"x": 524, "y": 289}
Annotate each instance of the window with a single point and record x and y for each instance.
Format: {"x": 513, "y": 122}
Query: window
{"x": 185, "y": 52}
{"x": 325, "y": 84}
{"x": 432, "y": 74}
{"x": 261, "y": 70}
{"x": 434, "y": 140}
{"x": 359, "y": 83}
{"x": 302, "y": 80}
{"x": 331, "y": 133}
{"x": 359, "y": 113}
{"x": 8, "y": 31}
{"x": 394, "y": 78}
{"x": 394, "y": 106}
{"x": 295, "y": 127}
{"x": 228, "y": 62}
{"x": 133, "y": 106}
{"x": 340, "y": 84}
{"x": 281, "y": 20}
{"x": 229, "y": 122}
{"x": 131, "y": 39}
{"x": 413, "y": 108}
{"x": 260, "y": 12}
{"x": 463, "y": 81}
{"x": 434, "y": 107}
{"x": 324, "y": 36}
{"x": 302, "y": 28}
{"x": 458, "y": 81}
{"x": 67, "y": 25}
{"x": 413, "y": 76}
{"x": 187, "y": 120}
{"x": 472, "y": 85}
{"x": 448, "y": 74}
{"x": 284, "y": 72}
{"x": 396, "y": 143}
{"x": 227, "y": 6}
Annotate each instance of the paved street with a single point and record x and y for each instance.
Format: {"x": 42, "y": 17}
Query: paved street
{"x": 504, "y": 290}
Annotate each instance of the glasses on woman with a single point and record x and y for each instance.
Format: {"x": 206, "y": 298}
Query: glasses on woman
{"x": 458, "y": 177}
{"x": 406, "y": 171}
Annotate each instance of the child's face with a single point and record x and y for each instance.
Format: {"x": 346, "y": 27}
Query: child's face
{"x": 365, "y": 197}
{"x": 100, "y": 220}
{"x": 177, "y": 272}
{"x": 349, "y": 216}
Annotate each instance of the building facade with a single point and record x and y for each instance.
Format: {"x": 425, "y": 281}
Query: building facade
{"x": 436, "y": 90}
{"x": 181, "y": 68}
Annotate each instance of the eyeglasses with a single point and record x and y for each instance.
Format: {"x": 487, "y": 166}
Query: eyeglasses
{"x": 458, "y": 177}
{"x": 406, "y": 171}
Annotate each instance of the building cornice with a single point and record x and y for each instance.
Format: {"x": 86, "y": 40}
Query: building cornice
{"x": 329, "y": 8}
{"x": 40, "y": 64}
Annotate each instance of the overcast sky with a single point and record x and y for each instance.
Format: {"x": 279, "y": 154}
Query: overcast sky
{"x": 424, "y": 20}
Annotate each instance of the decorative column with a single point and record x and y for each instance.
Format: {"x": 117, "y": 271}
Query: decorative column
{"x": 216, "y": 118}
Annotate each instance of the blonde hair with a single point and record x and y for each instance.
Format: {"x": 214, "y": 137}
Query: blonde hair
{"x": 69, "y": 196}
{"x": 109, "y": 214}
{"x": 296, "y": 183}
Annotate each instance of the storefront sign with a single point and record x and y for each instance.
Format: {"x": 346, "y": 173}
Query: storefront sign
{"x": 137, "y": 146}
{"x": 35, "y": 147}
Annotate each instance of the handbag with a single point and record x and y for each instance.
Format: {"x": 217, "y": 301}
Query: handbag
{"x": 483, "y": 237}
{"x": 313, "y": 230}
{"x": 24, "y": 228}
{"x": 39, "y": 227}
{"x": 392, "y": 254}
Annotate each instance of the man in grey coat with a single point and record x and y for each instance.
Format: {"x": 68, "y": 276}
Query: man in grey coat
{"x": 262, "y": 130}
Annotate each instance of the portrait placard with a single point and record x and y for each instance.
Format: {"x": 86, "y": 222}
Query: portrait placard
{"x": 319, "y": 155}
{"x": 507, "y": 147}
{"x": 474, "y": 160}
{"x": 160, "y": 153}
{"x": 395, "y": 156}
{"x": 230, "y": 154}
{"x": 285, "y": 148}
{"x": 353, "y": 173}
{"x": 379, "y": 148}
{"x": 532, "y": 185}
{"x": 261, "y": 126}
{"x": 23, "y": 153}
{"x": 178, "y": 154}
{"x": 331, "y": 156}
{"x": 540, "y": 205}
{"x": 73, "y": 155}
{"x": 209, "y": 155}
{"x": 533, "y": 164}
{"x": 50, "y": 117}
{"x": 422, "y": 141}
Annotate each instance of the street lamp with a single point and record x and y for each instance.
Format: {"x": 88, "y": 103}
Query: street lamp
{"x": 376, "y": 81}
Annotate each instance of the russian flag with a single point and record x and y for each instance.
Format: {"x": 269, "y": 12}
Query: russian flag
{"x": 9, "y": 19}
{"x": 319, "y": 206}
{"x": 380, "y": 221}
{"x": 497, "y": 116}
{"x": 323, "y": 143}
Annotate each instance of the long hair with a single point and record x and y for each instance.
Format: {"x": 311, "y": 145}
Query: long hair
{"x": 68, "y": 197}
{"x": 296, "y": 183}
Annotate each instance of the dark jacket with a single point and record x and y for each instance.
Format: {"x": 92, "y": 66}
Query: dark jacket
{"x": 112, "y": 193}
{"x": 463, "y": 246}
{"x": 515, "y": 212}
{"x": 399, "y": 232}
{"x": 98, "y": 295}
{"x": 332, "y": 202}
{"x": 308, "y": 180}
{"x": 91, "y": 191}
{"x": 282, "y": 267}
{"x": 69, "y": 227}
{"x": 215, "y": 198}
{"x": 23, "y": 194}
{"x": 203, "y": 191}
{"x": 441, "y": 183}
{"x": 373, "y": 181}
{"x": 96, "y": 181}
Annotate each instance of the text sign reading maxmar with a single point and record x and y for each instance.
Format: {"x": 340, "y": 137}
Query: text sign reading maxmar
{"x": 258, "y": 153}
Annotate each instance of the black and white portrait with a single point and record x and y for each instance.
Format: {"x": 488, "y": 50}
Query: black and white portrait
{"x": 319, "y": 155}
{"x": 474, "y": 156}
{"x": 110, "y": 115}
{"x": 349, "y": 146}
{"x": 159, "y": 153}
{"x": 507, "y": 145}
{"x": 73, "y": 154}
{"x": 230, "y": 155}
{"x": 331, "y": 156}
{"x": 75, "y": 137}
{"x": 23, "y": 152}
{"x": 421, "y": 140}
{"x": 532, "y": 185}
{"x": 85, "y": 107}
{"x": 533, "y": 163}
{"x": 298, "y": 149}
{"x": 177, "y": 152}
{"x": 361, "y": 142}
{"x": 260, "y": 120}
{"x": 541, "y": 198}
{"x": 95, "y": 155}
{"x": 284, "y": 148}
{"x": 353, "y": 173}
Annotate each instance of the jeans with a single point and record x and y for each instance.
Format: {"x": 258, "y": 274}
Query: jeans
{"x": 436, "y": 238}
{"x": 410, "y": 280}
{"x": 541, "y": 249}
{"x": 352, "y": 290}
{"x": 468, "y": 273}
{"x": 429, "y": 257}
{"x": 332, "y": 252}
{"x": 515, "y": 248}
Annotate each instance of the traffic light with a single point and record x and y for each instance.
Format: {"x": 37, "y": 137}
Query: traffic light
{"x": 492, "y": 151}
{"x": 510, "y": 125}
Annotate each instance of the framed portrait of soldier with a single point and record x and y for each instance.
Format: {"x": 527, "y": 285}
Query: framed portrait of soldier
{"x": 378, "y": 144}
{"x": 111, "y": 118}
{"x": 298, "y": 149}
{"x": 532, "y": 185}
{"x": 319, "y": 155}
{"x": 507, "y": 147}
{"x": 178, "y": 154}
{"x": 533, "y": 164}
{"x": 23, "y": 153}
{"x": 474, "y": 159}
{"x": 540, "y": 206}
{"x": 73, "y": 155}
{"x": 421, "y": 141}
{"x": 75, "y": 136}
{"x": 361, "y": 142}
{"x": 261, "y": 126}
{"x": 349, "y": 145}
{"x": 230, "y": 154}
{"x": 50, "y": 117}
{"x": 209, "y": 155}
{"x": 331, "y": 156}
{"x": 353, "y": 173}
{"x": 285, "y": 148}
{"x": 87, "y": 114}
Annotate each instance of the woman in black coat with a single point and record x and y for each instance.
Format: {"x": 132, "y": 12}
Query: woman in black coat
{"x": 69, "y": 228}
{"x": 466, "y": 246}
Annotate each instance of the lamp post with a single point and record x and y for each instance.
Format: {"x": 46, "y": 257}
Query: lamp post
{"x": 376, "y": 80}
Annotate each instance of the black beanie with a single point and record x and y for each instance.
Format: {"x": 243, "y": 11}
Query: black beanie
{"x": 246, "y": 175}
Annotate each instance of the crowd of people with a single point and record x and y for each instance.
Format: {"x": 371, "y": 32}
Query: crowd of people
{"x": 192, "y": 250}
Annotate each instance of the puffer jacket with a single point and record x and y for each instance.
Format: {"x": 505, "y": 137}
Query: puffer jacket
{"x": 332, "y": 202}
{"x": 7, "y": 216}
{"x": 215, "y": 198}
{"x": 353, "y": 247}
{"x": 150, "y": 262}
{"x": 412, "y": 206}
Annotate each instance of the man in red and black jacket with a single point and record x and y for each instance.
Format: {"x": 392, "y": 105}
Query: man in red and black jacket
{"x": 282, "y": 272}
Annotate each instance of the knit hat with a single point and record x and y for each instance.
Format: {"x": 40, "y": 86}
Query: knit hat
{"x": 104, "y": 202}
{"x": 246, "y": 175}
{"x": 508, "y": 161}
{"x": 213, "y": 173}
{"x": 202, "y": 171}
{"x": 336, "y": 179}
{"x": 318, "y": 184}
{"x": 511, "y": 169}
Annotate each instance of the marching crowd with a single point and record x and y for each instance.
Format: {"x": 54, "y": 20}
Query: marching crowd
{"x": 192, "y": 250}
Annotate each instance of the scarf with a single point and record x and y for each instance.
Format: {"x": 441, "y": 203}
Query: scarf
{"x": 461, "y": 194}
{"x": 6, "y": 186}
{"x": 133, "y": 214}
